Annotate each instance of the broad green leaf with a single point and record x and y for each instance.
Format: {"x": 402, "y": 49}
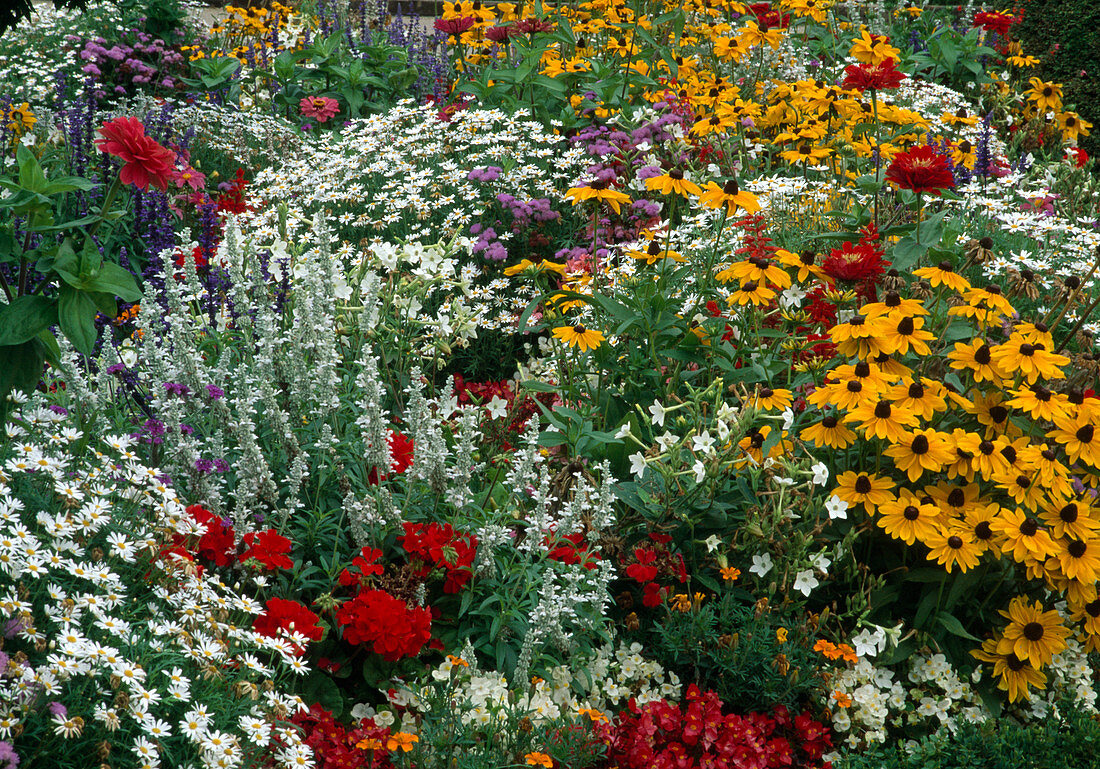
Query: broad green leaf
{"x": 115, "y": 280}
{"x": 25, "y": 318}
{"x": 76, "y": 315}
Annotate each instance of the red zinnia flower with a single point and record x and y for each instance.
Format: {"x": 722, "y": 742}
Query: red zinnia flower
{"x": 878, "y": 77}
{"x": 995, "y": 21}
{"x": 921, "y": 169}
{"x": 853, "y": 263}
{"x": 144, "y": 161}
{"x": 269, "y": 548}
{"x": 454, "y": 26}
{"x": 282, "y": 616}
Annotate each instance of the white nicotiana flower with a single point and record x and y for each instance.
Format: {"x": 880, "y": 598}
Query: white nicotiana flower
{"x": 836, "y": 507}
{"x": 761, "y": 564}
{"x": 820, "y": 474}
{"x": 657, "y": 414}
{"x": 637, "y": 464}
{"x": 805, "y": 582}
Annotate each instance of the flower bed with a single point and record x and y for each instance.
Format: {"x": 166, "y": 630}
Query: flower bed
{"x": 690, "y": 384}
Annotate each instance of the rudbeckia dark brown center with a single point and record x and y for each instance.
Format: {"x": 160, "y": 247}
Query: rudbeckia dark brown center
{"x": 986, "y": 242}
{"x": 905, "y": 326}
{"x": 829, "y": 422}
{"x": 579, "y": 329}
{"x": 862, "y": 369}
{"x": 1023, "y": 481}
{"x": 1014, "y": 663}
{"x": 982, "y": 530}
{"x": 892, "y": 299}
{"x": 1048, "y": 91}
{"x": 1069, "y": 513}
{"x": 882, "y": 410}
{"x": 1048, "y": 455}
{"x": 730, "y": 187}
{"x": 807, "y": 257}
{"x": 1093, "y": 608}
{"x": 676, "y": 174}
{"x": 855, "y": 387}
{"x": 858, "y": 320}
{"x": 1027, "y": 349}
{"x": 1085, "y": 434}
{"x": 998, "y": 413}
{"x": 1041, "y": 393}
{"x": 982, "y": 356}
{"x": 1033, "y": 631}
{"x": 957, "y": 497}
{"x": 863, "y": 485}
{"x": 954, "y": 542}
{"x": 911, "y": 513}
{"x": 965, "y": 147}
{"x": 767, "y": 392}
{"x": 654, "y": 248}
{"x": 962, "y": 113}
{"x": 750, "y": 286}
{"x": 1029, "y": 528}
{"x": 945, "y": 267}
{"x": 919, "y": 445}
{"x": 987, "y": 447}
{"x": 1077, "y": 548}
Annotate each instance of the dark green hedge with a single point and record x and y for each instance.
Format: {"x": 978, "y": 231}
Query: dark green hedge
{"x": 1065, "y": 35}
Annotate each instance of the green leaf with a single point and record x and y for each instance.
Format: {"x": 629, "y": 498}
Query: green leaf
{"x": 20, "y": 370}
{"x": 114, "y": 280}
{"x": 76, "y": 314}
{"x": 25, "y": 318}
{"x": 954, "y": 627}
{"x": 31, "y": 176}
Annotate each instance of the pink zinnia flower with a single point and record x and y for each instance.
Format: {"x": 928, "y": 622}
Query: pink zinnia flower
{"x": 144, "y": 161}
{"x": 321, "y": 108}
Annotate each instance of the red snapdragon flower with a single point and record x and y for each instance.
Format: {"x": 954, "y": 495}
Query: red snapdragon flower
{"x": 144, "y": 161}
{"x": 269, "y": 548}
{"x": 921, "y": 169}
{"x": 879, "y": 77}
{"x": 388, "y": 625}
{"x": 281, "y": 617}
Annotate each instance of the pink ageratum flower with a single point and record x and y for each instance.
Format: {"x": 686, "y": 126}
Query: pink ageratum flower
{"x": 320, "y": 108}
{"x": 144, "y": 161}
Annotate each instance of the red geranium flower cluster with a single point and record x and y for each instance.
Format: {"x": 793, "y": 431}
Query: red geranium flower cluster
{"x": 401, "y": 457}
{"x": 437, "y": 546}
{"x": 288, "y": 619}
{"x": 268, "y": 549}
{"x": 875, "y": 77}
{"x": 334, "y": 745}
{"x": 144, "y": 161}
{"x": 218, "y": 543}
{"x": 483, "y": 393}
{"x": 366, "y": 566}
{"x": 663, "y": 735}
{"x": 388, "y": 625}
{"x": 921, "y": 169}
{"x": 655, "y": 562}
{"x": 571, "y": 549}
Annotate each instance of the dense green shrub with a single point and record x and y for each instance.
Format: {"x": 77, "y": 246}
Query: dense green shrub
{"x": 1070, "y": 740}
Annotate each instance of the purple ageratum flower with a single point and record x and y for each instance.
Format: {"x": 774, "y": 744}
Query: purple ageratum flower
{"x": 214, "y": 392}
{"x": 220, "y": 465}
{"x": 487, "y": 174}
{"x": 8, "y": 754}
{"x": 204, "y": 466}
{"x": 649, "y": 172}
{"x": 59, "y": 410}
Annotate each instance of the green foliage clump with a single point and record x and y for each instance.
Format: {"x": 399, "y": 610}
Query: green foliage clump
{"x": 1068, "y": 740}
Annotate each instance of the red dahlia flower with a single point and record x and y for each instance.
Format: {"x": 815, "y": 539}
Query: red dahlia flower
{"x": 878, "y": 77}
{"x": 282, "y": 616}
{"x": 921, "y": 169}
{"x": 995, "y": 21}
{"x": 269, "y": 548}
{"x": 144, "y": 161}
{"x": 855, "y": 264}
